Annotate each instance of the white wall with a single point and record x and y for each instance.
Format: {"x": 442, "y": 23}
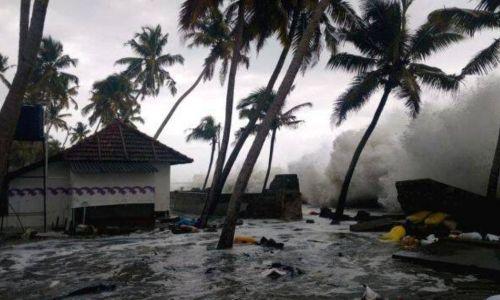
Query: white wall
{"x": 30, "y": 207}
{"x": 125, "y": 188}
{"x": 162, "y": 184}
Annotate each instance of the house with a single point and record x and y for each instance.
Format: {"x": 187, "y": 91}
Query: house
{"x": 117, "y": 176}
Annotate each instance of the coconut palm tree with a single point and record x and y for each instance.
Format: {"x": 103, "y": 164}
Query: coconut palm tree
{"x": 131, "y": 115}
{"x": 485, "y": 16}
{"x": 147, "y": 69}
{"x": 209, "y": 31}
{"x": 55, "y": 118}
{"x": 79, "y": 132}
{"x": 289, "y": 27}
{"x": 110, "y": 99}
{"x": 227, "y": 234}
{"x": 392, "y": 59}
{"x": 250, "y": 107}
{"x": 50, "y": 81}
{"x": 4, "y": 66}
{"x": 30, "y": 36}
{"x": 208, "y": 130}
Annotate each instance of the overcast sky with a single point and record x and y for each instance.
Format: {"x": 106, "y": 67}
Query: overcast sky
{"x": 94, "y": 31}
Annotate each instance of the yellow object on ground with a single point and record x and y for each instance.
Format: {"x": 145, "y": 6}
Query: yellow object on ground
{"x": 418, "y": 217}
{"x": 241, "y": 239}
{"x": 435, "y": 218}
{"x": 395, "y": 235}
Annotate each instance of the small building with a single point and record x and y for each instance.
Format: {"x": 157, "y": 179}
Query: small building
{"x": 117, "y": 176}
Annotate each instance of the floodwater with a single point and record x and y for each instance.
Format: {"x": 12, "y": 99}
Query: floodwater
{"x": 160, "y": 265}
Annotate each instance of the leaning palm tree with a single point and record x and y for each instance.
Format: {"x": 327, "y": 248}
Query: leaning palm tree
{"x": 252, "y": 107}
{"x": 79, "y": 132}
{"x": 392, "y": 59}
{"x": 208, "y": 130}
{"x": 4, "y": 66}
{"x": 289, "y": 22}
{"x": 147, "y": 69}
{"x": 227, "y": 234}
{"x": 209, "y": 31}
{"x": 110, "y": 98}
{"x": 485, "y": 16}
{"x": 50, "y": 82}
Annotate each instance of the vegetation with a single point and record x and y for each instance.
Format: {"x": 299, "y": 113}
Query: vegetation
{"x": 251, "y": 107}
{"x": 4, "y": 66}
{"x": 79, "y": 132}
{"x": 208, "y": 130}
{"x": 391, "y": 59}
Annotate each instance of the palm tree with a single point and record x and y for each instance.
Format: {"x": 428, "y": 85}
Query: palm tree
{"x": 210, "y": 31}
{"x": 79, "y": 132}
{"x": 485, "y": 16}
{"x": 50, "y": 81}
{"x": 55, "y": 118}
{"x": 391, "y": 58}
{"x": 30, "y": 36}
{"x": 250, "y": 107}
{"x": 227, "y": 235}
{"x": 148, "y": 70}
{"x": 290, "y": 27}
{"x": 208, "y": 130}
{"x": 110, "y": 99}
{"x": 4, "y": 66}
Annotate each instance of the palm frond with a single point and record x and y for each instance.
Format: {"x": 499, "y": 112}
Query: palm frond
{"x": 435, "y": 77}
{"x": 409, "y": 90}
{"x": 484, "y": 61}
{"x": 429, "y": 39}
{"x": 467, "y": 21}
{"x": 351, "y": 62}
{"x": 363, "y": 86}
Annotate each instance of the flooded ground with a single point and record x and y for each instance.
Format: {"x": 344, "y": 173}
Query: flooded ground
{"x": 160, "y": 265}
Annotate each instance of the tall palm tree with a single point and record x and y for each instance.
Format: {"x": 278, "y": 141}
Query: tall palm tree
{"x": 227, "y": 234}
{"x": 79, "y": 132}
{"x": 250, "y": 107}
{"x": 391, "y": 58}
{"x": 4, "y": 66}
{"x": 55, "y": 119}
{"x": 147, "y": 69}
{"x": 290, "y": 26}
{"x": 110, "y": 99}
{"x": 485, "y": 16}
{"x": 50, "y": 82}
{"x": 213, "y": 32}
{"x": 208, "y": 130}
{"x": 30, "y": 36}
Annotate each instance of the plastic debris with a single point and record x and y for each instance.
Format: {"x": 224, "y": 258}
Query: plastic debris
{"x": 395, "y": 235}
{"x": 492, "y": 238}
{"x": 273, "y": 273}
{"x": 418, "y": 217}
{"x": 309, "y": 221}
{"x": 409, "y": 242}
{"x": 370, "y": 294}
{"x": 435, "y": 218}
{"x": 430, "y": 239}
{"x": 241, "y": 239}
{"x": 470, "y": 236}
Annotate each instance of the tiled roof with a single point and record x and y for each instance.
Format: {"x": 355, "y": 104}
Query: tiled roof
{"x": 120, "y": 142}
{"x": 97, "y": 167}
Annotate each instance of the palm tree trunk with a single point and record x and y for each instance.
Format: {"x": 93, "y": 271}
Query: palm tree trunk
{"x": 177, "y": 103}
{"x": 11, "y": 108}
{"x": 217, "y": 186}
{"x": 66, "y": 138}
{"x": 24, "y": 23}
{"x": 357, "y": 153}
{"x": 494, "y": 173}
{"x": 5, "y": 81}
{"x": 227, "y": 235}
{"x": 221, "y": 157}
{"x": 209, "y": 165}
{"x": 270, "y": 162}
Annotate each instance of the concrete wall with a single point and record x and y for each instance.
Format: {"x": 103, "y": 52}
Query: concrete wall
{"x": 272, "y": 204}
{"x": 26, "y": 198}
{"x": 162, "y": 187}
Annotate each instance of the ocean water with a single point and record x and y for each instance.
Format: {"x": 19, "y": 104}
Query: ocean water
{"x": 161, "y": 265}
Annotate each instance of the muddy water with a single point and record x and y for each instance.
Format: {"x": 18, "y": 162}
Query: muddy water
{"x": 160, "y": 265}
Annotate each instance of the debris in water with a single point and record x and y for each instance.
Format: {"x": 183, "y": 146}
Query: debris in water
{"x": 309, "y": 221}
{"x": 430, "y": 239}
{"x": 242, "y": 239}
{"x": 370, "y": 294}
{"x": 94, "y": 289}
{"x": 271, "y": 243}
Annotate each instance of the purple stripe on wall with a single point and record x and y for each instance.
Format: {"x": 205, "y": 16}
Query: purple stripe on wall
{"x": 95, "y": 190}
